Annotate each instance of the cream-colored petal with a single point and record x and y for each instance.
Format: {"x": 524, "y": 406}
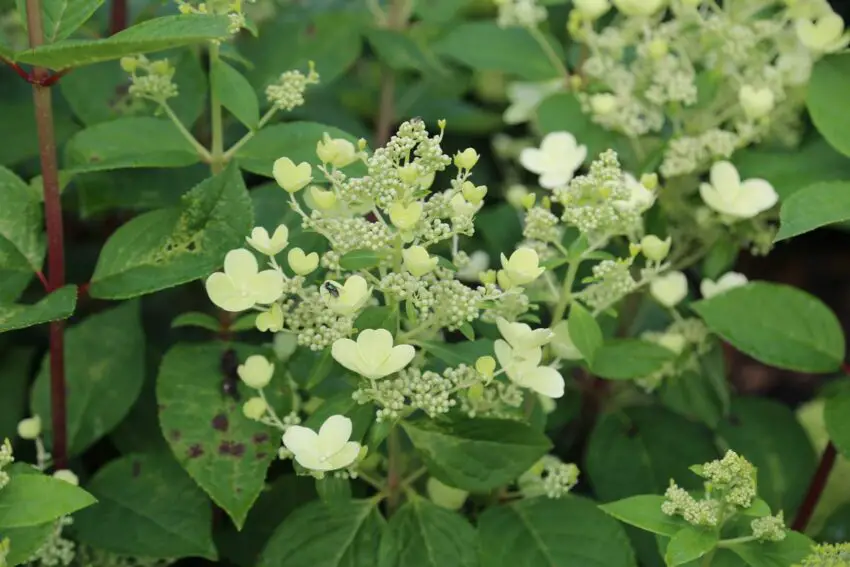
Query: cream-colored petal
{"x": 345, "y": 456}
{"x": 240, "y": 265}
{"x": 757, "y": 196}
{"x": 313, "y": 462}
{"x": 399, "y": 357}
{"x": 334, "y": 434}
{"x": 374, "y": 346}
{"x": 280, "y": 238}
{"x": 504, "y": 353}
{"x": 267, "y": 286}
{"x": 356, "y": 286}
{"x": 301, "y": 440}
{"x": 544, "y": 380}
{"x": 223, "y": 293}
{"x": 554, "y": 178}
{"x": 714, "y": 199}
{"x": 559, "y": 144}
{"x": 533, "y": 160}
{"x": 724, "y": 177}
{"x": 346, "y": 353}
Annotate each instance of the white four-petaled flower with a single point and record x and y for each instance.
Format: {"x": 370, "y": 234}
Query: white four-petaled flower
{"x": 521, "y": 336}
{"x": 824, "y": 35}
{"x": 727, "y": 281}
{"x": 346, "y": 299}
{"x": 373, "y": 354}
{"x": 523, "y": 368}
{"x": 270, "y": 246}
{"x": 669, "y": 289}
{"x": 256, "y": 371}
{"x": 242, "y": 285}
{"x": 556, "y": 160}
{"x": 730, "y": 196}
{"x": 328, "y": 450}
{"x": 522, "y": 267}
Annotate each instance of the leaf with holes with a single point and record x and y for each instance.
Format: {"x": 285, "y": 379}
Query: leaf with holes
{"x": 147, "y": 507}
{"x": 22, "y": 243}
{"x": 226, "y": 453}
{"x": 57, "y": 305}
{"x": 169, "y": 247}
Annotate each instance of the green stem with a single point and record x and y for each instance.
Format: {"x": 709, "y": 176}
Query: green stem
{"x": 550, "y": 53}
{"x": 566, "y": 292}
{"x": 394, "y": 480}
{"x": 217, "y": 157}
{"x": 735, "y": 541}
{"x": 228, "y": 155}
{"x": 202, "y": 151}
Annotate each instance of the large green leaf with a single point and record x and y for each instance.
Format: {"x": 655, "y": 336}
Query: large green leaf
{"x": 295, "y": 140}
{"x": 22, "y": 243}
{"x": 421, "y": 534}
{"x": 703, "y": 393}
{"x": 60, "y": 18}
{"x": 657, "y": 444}
{"x": 129, "y": 143}
{"x": 33, "y": 499}
{"x": 477, "y": 454}
{"x": 484, "y": 46}
{"x": 104, "y": 371}
{"x": 153, "y": 35}
{"x": 567, "y": 532}
{"x": 793, "y": 329}
{"x": 644, "y": 511}
{"x": 786, "y": 553}
{"x": 25, "y": 542}
{"x": 830, "y": 78}
{"x": 836, "y": 414}
{"x": 626, "y": 359}
{"x": 768, "y": 435}
{"x": 321, "y": 535}
{"x": 815, "y": 206}
{"x": 58, "y": 305}
{"x": 585, "y": 332}
{"x": 236, "y": 93}
{"x": 169, "y": 247}
{"x": 225, "y": 452}
{"x": 689, "y": 544}
{"x": 147, "y": 507}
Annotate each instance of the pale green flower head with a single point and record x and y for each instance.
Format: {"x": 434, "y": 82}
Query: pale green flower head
{"x": 301, "y": 263}
{"x": 337, "y": 152}
{"x": 269, "y": 245}
{"x": 733, "y": 198}
{"x": 328, "y": 450}
{"x": 29, "y": 428}
{"x": 346, "y": 299}
{"x": 523, "y": 267}
{"x": 669, "y": 289}
{"x": 242, "y": 285}
{"x": 418, "y": 262}
{"x": 373, "y": 354}
{"x": 292, "y": 178}
{"x": 256, "y": 371}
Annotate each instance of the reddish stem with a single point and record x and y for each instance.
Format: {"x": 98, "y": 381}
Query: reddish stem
{"x": 55, "y": 245}
{"x": 117, "y": 16}
{"x": 43, "y": 280}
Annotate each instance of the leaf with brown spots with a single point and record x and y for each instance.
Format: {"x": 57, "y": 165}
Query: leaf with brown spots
{"x": 226, "y": 453}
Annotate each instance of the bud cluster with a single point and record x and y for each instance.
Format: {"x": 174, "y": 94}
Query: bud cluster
{"x": 287, "y": 93}
{"x": 150, "y": 80}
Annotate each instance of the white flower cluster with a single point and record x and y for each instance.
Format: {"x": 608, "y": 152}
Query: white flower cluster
{"x": 6, "y": 459}
{"x": 150, "y": 80}
{"x": 769, "y": 528}
{"x": 550, "y": 477}
{"x": 721, "y": 76}
{"x": 828, "y": 555}
{"x": 57, "y": 550}
{"x": 233, "y": 9}
{"x": 287, "y": 93}
{"x": 522, "y": 13}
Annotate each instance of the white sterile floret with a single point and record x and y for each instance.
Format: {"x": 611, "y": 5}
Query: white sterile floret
{"x": 730, "y": 196}
{"x": 256, "y": 372}
{"x": 444, "y": 495}
{"x": 640, "y": 197}
{"x": 255, "y": 408}
{"x": 592, "y": 9}
{"x": 556, "y": 160}
{"x": 521, "y": 336}
{"x": 669, "y": 289}
{"x": 301, "y": 263}
{"x": 270, "y": 246}
{"x": 824, "y": 35}
{"x": 346, "y": 299}
{"x": 67, "y": 476}
{"x": 327, "y": 450}
{"x": 29, "y": 428}
{"x": 727, "y": 281}
{"x": 654, "y": 248}
{"x": 373, "y": 354}
{"x": 562, "y": 343}
{"x": 336, "y": 151}
{"x": 271, "y": 320}
{"x": 522, "y": 267}
{"x": 292, "y": 178}
{"x": 418, "y": 262}
{"x": 405, "y": 217}
{"x": 479, "y": 261}
{"x": 639, "y": 7}
{"x": 242, "y": 285}
{"x": 523, "y": 369}
{"x": 757, "y": 103}
{"x": 526, "y": 97}
{"x": 463, "y": 208}
{"x": 318, "y": 198}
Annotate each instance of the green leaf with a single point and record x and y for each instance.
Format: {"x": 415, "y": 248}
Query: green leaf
{"x": 836, "y": 414}
{"x": 236, "y": 93}
{"x": 61, "y": 18}
{"x": 786, "y": 553}
{"x": 456, "y": 354}
{"x": 378, "y": 317}
{"x": 196, "y": 319}
{"x": 33, "y": 499}
{"x": 626, "y": 359}
{"x": 321, "y": 535}
{"x": 333, "y": 490}
{"x": 658, "y": 445}
{"x": 542, "y": 531}
{"x": 15, "y": 372}
{"x": 147, "y": 507}
{"x": 439, "y": 11}
{"x": 362, "y": 259}
{"x": 791, "y": 170}
{"x": 702, "y": 394}
{"x": 768, "y": 435}
{"x": 129, "y": 143}
{"x": 153, "y": 35}
{"x": 421, "y": 534}
{"x": 402, "y": 52}
{"x": 226, "y": 453}
{"x": 58, "y": 305}
{"x": 22, "y": 243}
{"x": 484, "y": 46}
{"x": 815, "y": 206}
{"x": 829, "y": 79}
{"x": 758, "y": 509}
{"x": 477, "y": 455}
{"x": 25, "y": 542}
{"x": 585, "y": 332}
{"x": 104, "y": 371}
{"x": 794, "y": 330}
{"x": 169, "y": 247}
{"x": 644, "y": 512}
{"x": 295, "y": 140}
{"x": 467, "y": 331}
{"x": 688, "y": 544}
{"x": 246, "y": 322}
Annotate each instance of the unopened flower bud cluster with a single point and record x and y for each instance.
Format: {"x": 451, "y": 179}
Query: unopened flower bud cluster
{"x": 287, "y": 93}
{"x": 521, "y": 13}
{"x": 828, "y": 555}
{"x": 150, "y": 80}
{"x": 550, "y": 477}
{"x": 6, "y": 459}
{"x": 233, "y": 9}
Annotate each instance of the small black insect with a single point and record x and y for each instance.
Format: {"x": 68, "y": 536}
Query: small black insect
{"x": 331, "y": 289}
{"x": 230, "y": 381}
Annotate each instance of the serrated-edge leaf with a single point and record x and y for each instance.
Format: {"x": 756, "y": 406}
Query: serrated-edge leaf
{"x": 57, "y": 306}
